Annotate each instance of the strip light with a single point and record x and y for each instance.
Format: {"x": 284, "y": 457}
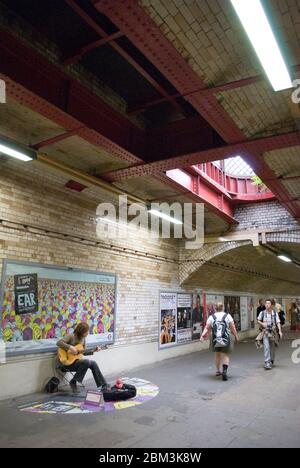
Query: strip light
{"x": 258, "y": 29}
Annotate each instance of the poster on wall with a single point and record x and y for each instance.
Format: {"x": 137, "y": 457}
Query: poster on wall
{"x": 168, "y": 319}
{"x": 26, "y": 294}
{"x": 244, "y": 313}
{"x": 62, "y": 297}
{"x": 197, "y": 316}
{"x": 211, "y": 301}
{"x": 251, "y": 319}
{"x": 232, "y": 307}
{"x": 184, "y": 324}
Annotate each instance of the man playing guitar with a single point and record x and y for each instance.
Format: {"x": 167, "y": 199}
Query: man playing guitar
{"x": 71, "y": 350}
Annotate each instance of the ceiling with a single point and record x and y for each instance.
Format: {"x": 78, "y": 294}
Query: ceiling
{"x": 148, "y": 92}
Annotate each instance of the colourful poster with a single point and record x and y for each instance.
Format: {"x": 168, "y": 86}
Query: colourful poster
{"x": 198, "y": 316}
{"x": 184, "y": 330}
{"x": 168, "y": 319}
{"x": 232, "y": 307}
{"x": 211, "y": 302}
{"x": 62, "y": 304}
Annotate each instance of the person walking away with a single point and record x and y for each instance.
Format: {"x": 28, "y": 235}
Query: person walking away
{"x": 221, "y": 325}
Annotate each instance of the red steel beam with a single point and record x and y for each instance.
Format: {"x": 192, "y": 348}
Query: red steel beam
{"x": 124, "y": 54}
{"x": 132, "y": 20}
{"x": 53, "y": 140}
{"x": 53, "y": 91}
{"x": 200, "y": 192}
{"x": 93, "y": 45}
{"x": 243, "y": 149}
{"x": 141, "y": 30}
{"x": 207, "y": 91}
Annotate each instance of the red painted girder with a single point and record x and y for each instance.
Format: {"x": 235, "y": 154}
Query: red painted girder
{"x": 141, "y": 30}
{"x": 202, "y": 193}
{"x": 209, "y": 181}
{"x": 124, "y": 54}
{"x": 243, "y": 149}
{"x": 53, "y": 140}
{"x": 253, "y": 198}
{"x": 91, "y": 46}
{"x": 263, "y": 170}
{"x": 207, "y": 91}
{"x": 74, "y": 105}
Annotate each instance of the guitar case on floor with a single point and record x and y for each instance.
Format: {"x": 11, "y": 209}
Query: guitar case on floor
{"x": 119, "y": 394}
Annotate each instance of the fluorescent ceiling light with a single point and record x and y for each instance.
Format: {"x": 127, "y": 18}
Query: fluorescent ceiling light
{"x": 162, "y": 215}
{"x": 257, "y": 26}
{"x": 284, "y": 258}
{"x": 14, "y": 150}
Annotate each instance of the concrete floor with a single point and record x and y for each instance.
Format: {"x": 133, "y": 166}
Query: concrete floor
{"x": 255, "y": 408}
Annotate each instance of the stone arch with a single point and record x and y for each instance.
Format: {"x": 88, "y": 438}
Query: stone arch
{"x": 191, "y": 262}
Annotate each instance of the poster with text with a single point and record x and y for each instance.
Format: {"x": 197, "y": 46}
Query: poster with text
{"x": 26, "y": 293}
{"x": 232, "y": 307}
{"x": 168, "y": 319}
{"x": 211, "y": 302}
{"x": 244, "y": 313}
{"x": 184, "y": 324}
{"x": 197, "y": 316}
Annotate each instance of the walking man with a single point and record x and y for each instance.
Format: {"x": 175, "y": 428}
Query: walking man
{"x": 269, "y": 323}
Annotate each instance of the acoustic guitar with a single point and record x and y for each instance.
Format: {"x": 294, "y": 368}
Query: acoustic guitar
{"x": 67, "y": 358}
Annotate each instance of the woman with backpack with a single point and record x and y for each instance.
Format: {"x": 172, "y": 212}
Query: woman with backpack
{"x": 221, "y": 325}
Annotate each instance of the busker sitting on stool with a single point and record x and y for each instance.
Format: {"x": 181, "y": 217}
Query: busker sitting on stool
{"x": 71, "y": 358}
{"x": 270, "y": 331}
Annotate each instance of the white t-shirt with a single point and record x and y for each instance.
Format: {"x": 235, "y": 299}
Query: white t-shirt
{"x": 219, "y": 316}
{"x": 264, "y": 316}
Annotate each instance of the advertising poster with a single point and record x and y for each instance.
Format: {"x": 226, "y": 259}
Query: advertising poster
{"x": 244, "y": 313}
{"x": 184, "y": 324}
{"x": 211, "y": 301}
{"x": 168, "y": 319}
{"x": 251, "y": 319}
{"x": 197, "y": 316}
{"x": 39, "y": 308}
{"x": 26, "y": 294}
{"x": 232, "y": 307}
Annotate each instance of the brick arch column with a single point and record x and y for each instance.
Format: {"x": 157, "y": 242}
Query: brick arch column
{"x": 287, "y": 236}
{"x": 191, "y": 262}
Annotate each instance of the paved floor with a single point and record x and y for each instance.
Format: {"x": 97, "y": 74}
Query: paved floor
{"x": 255, "y": 408}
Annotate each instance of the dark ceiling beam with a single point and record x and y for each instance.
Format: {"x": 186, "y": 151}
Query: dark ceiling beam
{"x": 131, "y": 110}
{"x": 79, "y": 106}
{"x": 56, "y": 139}
{"x": 141, "y": 30}
{"x": 125, "y": 55}
{"x": 243, "y": 148}
{"x": 71, "y": 59}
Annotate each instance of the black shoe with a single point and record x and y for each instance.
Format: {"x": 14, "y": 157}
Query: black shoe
{"x": 74, "y": 387}
{"x": 224, "y": 376}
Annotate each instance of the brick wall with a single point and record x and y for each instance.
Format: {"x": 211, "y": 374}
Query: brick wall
{"x": 33, "y": 198}
{"x": 268, "y": 215}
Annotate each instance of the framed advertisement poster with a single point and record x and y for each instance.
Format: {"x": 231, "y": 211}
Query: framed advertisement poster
{"x": 168, "y": 319}
{"x": 244, "y": 313}
{"x": 184, "y": 324}
{"x": 42, "y": 303}
{"x": 197, "y": 316}
{"x": 232, "y": 307}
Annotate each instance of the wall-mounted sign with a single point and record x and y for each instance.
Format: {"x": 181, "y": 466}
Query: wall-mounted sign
{"x": 26, "y": 293}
